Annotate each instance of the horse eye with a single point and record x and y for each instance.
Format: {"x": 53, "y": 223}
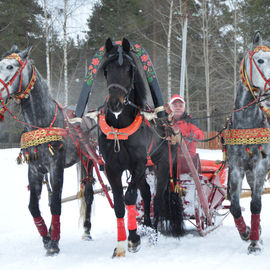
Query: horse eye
{"x": 9, "y": 67}
{"x": 260, "y": 61}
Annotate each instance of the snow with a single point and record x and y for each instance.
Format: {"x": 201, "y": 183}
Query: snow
{"x": 21, "y": 246}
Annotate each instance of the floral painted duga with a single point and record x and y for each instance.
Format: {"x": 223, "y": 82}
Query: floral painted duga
{"x": 140, "y": 52}
{"x": 94, "y": 66}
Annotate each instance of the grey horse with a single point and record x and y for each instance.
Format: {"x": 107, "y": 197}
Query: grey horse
{"x": 247, "y": 139}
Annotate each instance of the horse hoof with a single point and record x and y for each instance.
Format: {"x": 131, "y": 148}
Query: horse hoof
{"x": 255, "y": 247}
{"x": 134, "y": 247}
{"x": 153, "y": 238}
{"x": 46, "y": 241}
{"x": 53, "y": 248}
{"x": 144, "y": 230}
{"x": 245, "y": 236}
{"x": 86, "y": 237}
{"x": 118, "y": 253}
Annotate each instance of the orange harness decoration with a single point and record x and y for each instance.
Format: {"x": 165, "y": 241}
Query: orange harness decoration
{"x": 119, "y": 133}
{"x": 42, "y": 135}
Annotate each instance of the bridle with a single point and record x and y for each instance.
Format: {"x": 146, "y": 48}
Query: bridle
{"x": 20, "y": 94}
{"x": 119, "y": 56}
{"x": 249, "y": 83}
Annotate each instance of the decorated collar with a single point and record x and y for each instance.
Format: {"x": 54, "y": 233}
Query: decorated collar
{"x": 121, "y": 133}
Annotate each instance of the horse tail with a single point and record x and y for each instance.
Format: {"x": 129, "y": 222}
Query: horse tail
{"x": 176, "y": 214}
{"x": 228, "y": 186}
{"x": 81, "y": 198}
{"x": 172, "y": 223}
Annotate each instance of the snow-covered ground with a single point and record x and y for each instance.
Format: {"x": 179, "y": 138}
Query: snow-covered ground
{"x": 21, "y": 247}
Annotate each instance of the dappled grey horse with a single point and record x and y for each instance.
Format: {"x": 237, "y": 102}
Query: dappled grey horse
{"x": 47, "y": 142}
{"x": 248, "y": 137}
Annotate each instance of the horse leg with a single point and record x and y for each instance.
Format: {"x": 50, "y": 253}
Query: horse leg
{"x": 35, "y": 187}
{"x": 88, "y": 197}
{"x": 114, "y": 177}
{"x": 56, "y": 176}
{"x": 146, "y": 195}
{"x": 236, "y": 176}
{"x": 138, "y": 177}
{"x": 256, "y": 185}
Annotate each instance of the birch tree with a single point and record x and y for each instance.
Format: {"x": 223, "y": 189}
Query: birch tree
{"x": 47, "y": 44}
{"x": 169, "y": 52}
{"x": 65, "y": 54}
{"x": 206, "y": 61}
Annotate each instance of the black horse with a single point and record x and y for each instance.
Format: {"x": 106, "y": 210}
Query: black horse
{"x": 124, "y": 140}
{"x": 46, "y": 142}
{"x": 247, "y": 140}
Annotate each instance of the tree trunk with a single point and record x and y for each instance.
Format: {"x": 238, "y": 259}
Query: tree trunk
{"x": 47, "y": 45}
{"x": 65, "y": 55}
{"x": 206, "y": 63}
{"x": 235, "y": 51}
{"x": 169, "y": 53}
{"x": 184, "y": 48}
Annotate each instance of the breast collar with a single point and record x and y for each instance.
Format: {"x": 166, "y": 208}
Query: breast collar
{"x": 119, "y": 133}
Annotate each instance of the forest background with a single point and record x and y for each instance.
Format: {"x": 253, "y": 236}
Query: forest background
{"x": 219, "y": 34}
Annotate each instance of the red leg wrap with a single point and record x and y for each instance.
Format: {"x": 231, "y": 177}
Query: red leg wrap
{"x": 41, "y": 226}
{"x": 240, "y": 224}
{"x": 132, "y": 213}
{"x": 121, "y": 230}
{"x": 255, "y": 227}
{"x": 55, "y": 232}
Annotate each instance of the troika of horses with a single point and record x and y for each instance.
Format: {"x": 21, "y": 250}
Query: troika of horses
{"x": 132, "y": 137}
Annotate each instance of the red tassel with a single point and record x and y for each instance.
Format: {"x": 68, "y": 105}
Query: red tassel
{"x": 121, "y": 230}
{"x": 249, "y": 152}
{"x": 19, "y": 159}
{"x": 2, "y": 111}
{"x": 171, "y": 185}
{"x": 35, "y": 154}
{"x": 149, "y": 162}
{"x": 51, "y": 149}
{"x": 27, "y": 157}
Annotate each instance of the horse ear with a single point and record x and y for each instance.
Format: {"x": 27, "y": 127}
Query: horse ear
{"x": 25, "y": 53}
{"x": 14, "y": 49}
{"x": 126, "y": 45}
{"x": 108, "y": 45}
{"x": 257, "y": 40}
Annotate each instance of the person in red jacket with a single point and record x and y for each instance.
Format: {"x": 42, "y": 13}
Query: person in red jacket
{"x": 184, "y": 122}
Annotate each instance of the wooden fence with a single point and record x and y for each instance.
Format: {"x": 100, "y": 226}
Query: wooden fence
{"x": 9, "y": 145}
{"x": 213, "y": 144}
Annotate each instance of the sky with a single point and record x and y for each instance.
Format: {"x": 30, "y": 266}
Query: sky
{"x": 78, "y": 10}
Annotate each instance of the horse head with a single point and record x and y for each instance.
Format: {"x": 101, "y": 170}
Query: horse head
{"x": 121, "y": 74}
{"x": 256, "y": 66}
{"x": 15, "y": 73}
